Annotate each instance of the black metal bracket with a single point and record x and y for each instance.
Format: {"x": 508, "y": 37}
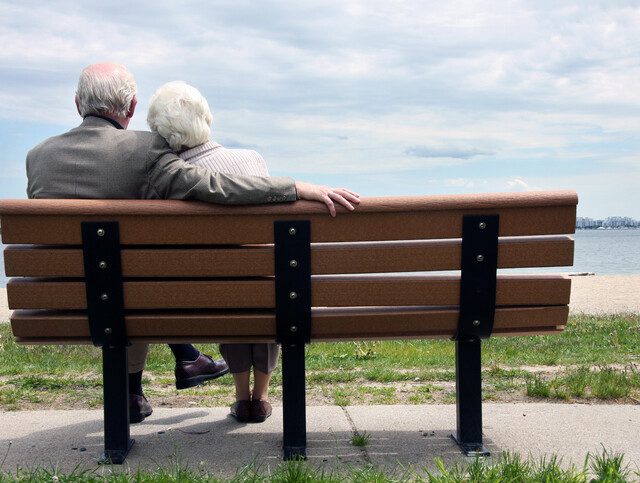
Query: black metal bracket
{"x": 293, "y": 281}
{"x": 105, "y": 311}
{"x": 293, "y": 327}
{"x": 103, "y": 282}
{"x": 478, "y": 276}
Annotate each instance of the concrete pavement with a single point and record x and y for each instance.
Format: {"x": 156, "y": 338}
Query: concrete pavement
{"x": 400, "y": 436}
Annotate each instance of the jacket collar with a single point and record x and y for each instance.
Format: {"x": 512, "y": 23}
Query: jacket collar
{"x": 97, "y": 120}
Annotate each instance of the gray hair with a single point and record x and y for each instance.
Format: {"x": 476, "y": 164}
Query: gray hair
{"x": 180, "y": 114}
{"x": 106, "y": 91}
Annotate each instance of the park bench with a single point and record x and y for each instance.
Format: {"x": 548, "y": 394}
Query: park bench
{"x": 111, "y": 271}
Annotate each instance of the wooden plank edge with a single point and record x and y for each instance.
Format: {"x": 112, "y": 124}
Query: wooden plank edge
{"x": 95, "y": 207}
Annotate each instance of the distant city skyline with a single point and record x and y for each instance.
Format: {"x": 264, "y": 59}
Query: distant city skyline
{"x": 608, "y": 222}
{"x": 384, "y": 97}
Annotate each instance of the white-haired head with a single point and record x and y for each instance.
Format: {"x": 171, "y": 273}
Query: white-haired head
{"x": 106, "y": 89}
{"x": 180, "y": 114}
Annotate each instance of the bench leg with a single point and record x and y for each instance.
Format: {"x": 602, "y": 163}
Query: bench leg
{"x": 469, "y": 398}
{"x": 117, "y": 441}
{"x": 293, "y": 402}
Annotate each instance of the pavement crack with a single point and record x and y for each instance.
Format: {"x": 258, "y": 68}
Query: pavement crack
{"x": 354, "y": 430}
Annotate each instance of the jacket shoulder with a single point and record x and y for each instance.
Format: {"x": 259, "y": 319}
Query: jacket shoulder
{"x": 155, "y": 143}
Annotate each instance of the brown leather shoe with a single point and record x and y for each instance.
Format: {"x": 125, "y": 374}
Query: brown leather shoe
{"x": 241, "y": 410}
{"x": 139, "y": 408}
{"x": 194, "y": 373}
{"x": 260, "y": 411}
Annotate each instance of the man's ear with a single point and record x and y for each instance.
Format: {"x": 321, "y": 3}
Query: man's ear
{"x": 77, "y": 105}
{"x": 132, "y": 108}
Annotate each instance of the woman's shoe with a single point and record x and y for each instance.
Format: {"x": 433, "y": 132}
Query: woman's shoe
{"x": 241, "y": 410}
{"x": 260, "y": 411}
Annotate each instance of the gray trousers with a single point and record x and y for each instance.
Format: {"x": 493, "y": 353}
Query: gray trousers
{"x": 241, "y": 357}
{"x": 136, "y": 356}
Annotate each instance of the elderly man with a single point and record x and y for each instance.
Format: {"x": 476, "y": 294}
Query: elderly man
{"x": 101, "y": 159}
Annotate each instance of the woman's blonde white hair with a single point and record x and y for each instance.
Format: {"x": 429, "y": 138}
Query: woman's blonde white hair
{"x": 180, "y": 114}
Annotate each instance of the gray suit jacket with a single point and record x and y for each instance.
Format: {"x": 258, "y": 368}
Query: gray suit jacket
{"x": 97, "y": 160}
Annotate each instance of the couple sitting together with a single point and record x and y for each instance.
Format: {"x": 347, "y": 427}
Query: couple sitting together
{"x": 177, "y": 160}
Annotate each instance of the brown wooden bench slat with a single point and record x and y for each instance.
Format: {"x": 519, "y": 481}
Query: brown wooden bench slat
{"x": 372, "y": 257}
{"x": 551, "y": 330}
{"x": 399, "y": 218}
{"x": 327, "y": 291}
{"x": 327, "y": 324}
{"x": 543, "y": 330}
{"x": 259, "y": 229}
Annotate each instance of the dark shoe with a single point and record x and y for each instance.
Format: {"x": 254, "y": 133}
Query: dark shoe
{"x": 139, "y": 408}
{"x": 241, "y": 410}
{"x": 260, "y": 411}
{"x": 190, "y": 374}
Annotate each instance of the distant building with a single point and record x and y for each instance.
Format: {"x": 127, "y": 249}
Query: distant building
{"x": 612, "y": 222}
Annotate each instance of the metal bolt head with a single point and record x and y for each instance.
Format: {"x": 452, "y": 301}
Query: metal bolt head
{"x": 476, "y": 323}
{"x": 107, "y": 330}
{"x": 480, "y": 258}
{"x": 100, "y": 232}
{"x": 293, "y": 263}
{"x": 104, "y": 297}
{"x": 482, "y": 225}
{"x": 292, "y": 231}
{"x": 293, "y": 328}
{"x": 293, "y": 295}
{"x": 102, "y": 264}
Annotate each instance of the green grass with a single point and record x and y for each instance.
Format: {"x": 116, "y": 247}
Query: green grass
{"x": 342, "y": 396}
{"x": 422, "y": 394}
{"x": 609, "y": 467}
{"x": 360, "y": 439}
{"x": 587, "y": 340}
{"x": 604, "y": 383}
{"x": 604, "y": 467}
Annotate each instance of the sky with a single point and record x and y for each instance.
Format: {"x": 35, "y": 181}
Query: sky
{"x": 383, "y": 97}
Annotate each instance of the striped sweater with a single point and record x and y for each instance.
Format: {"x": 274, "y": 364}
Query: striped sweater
{"x": 213, "y": 156}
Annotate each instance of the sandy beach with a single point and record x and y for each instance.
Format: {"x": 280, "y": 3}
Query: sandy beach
{"x": 599, "y": 294}
{"x": 605, "y": 294}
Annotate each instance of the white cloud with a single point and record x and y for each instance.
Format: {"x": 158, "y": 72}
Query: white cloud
{"x": 459, "y": 152}
{"x": 519, "y": 184}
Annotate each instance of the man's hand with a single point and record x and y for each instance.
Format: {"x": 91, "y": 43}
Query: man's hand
{"x": 327, "y": 195}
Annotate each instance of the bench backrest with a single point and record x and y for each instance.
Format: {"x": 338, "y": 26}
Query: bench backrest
{"x": 194, "y": 271}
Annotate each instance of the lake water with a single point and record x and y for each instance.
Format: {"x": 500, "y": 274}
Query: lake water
{"x": 603, "y": 252}
{"x": 607, "y": 251}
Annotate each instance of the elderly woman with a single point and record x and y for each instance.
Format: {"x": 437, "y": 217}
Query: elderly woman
{"x": 180, "y": 114}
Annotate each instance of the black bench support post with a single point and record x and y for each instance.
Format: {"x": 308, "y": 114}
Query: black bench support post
{"x": 294, "y": 441}
{"x": 293, "y": 327}
{"x": 117, "y": 440}
{"x": 469, "y": 398}
{"x": 477, "y": 311}
{"x": 105, "y": 309}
